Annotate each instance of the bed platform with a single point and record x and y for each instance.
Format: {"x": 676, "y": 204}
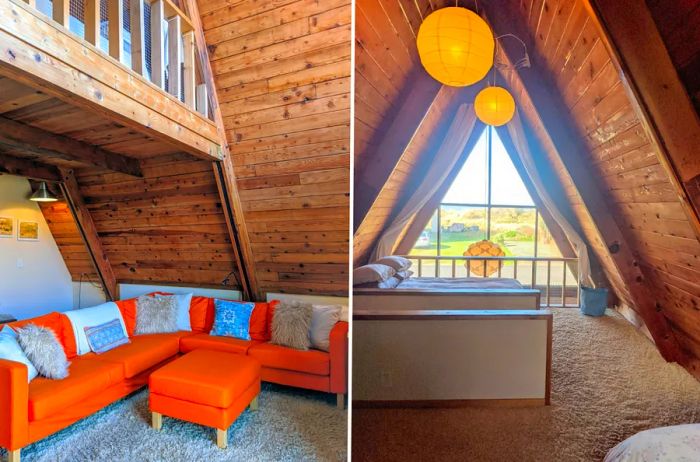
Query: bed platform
{"x": 449, "y": 294}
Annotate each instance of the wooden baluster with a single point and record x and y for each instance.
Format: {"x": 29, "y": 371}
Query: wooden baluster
{"x": 138, "y": 46}
{"x": 157, "y": 44}
{"x": 174, "y": 56}
{"x": 420, "y": 267}
{"x": 115, "y": 18}
{"x": 31, "y": 3}
{"x": 203, "y": 100}
{"x": 92, "y": 22}
{"x": 563, "y": 287}
{"x": 454, "y": 269}
{"x": 189, "y": 71}
{"x": 549, "y": 282}
{"x": 61, "y": 11}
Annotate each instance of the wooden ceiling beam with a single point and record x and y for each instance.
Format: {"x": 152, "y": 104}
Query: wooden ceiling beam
{"x": 395, "y": 137}
{"x": 40, "y": 54}
{"x": 547, "y": 114}
{"x": 88, "y": 231}
{"x": 224, "y": 171}
{"x": 29, "y": 169}
{"x": 35, "y": 140}
{"x": 657, "y": 94}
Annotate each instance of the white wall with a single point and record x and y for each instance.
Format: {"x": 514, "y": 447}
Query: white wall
{"x": 43, "y": 284}
{"x": 318, "y": 299}
{"x": 135, "y": 290}
{"x": 87, "y": 294}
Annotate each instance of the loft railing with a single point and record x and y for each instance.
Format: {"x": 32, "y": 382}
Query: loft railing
{"x": 555, "y": 278}
{"x": 154, "y": 38}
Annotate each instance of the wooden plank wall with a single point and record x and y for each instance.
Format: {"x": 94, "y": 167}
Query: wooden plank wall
{"x": 167, "y": 227}
{"x": 282, "y": 73}
{"x": 677, "y": 21}
{"x": 624, "y": 160}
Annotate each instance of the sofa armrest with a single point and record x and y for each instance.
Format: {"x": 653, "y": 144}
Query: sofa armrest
{"x": 14, "y": 399}
{"x": 339, "y": 357}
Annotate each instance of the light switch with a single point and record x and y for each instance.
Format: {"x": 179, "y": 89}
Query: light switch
{"x": 20, "y": 263}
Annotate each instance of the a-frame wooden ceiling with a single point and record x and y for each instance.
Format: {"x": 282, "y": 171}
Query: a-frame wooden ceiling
{"x": 593, "y": 111}
{"x": 281, "y": 76}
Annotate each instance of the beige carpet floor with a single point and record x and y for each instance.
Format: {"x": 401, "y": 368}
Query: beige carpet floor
{"x": 608, "y": 382}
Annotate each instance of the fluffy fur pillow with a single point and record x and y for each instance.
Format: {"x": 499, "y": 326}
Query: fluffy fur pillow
{"x": 291, "y": 323}
{"x": 372, "y": 273}
{"x": 44, "y": 351}
{"x": 155, "y": 315}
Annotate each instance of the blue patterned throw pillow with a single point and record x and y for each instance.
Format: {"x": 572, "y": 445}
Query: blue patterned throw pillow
{"x": 232, "y": 319}
{"x": 107, "y": 336}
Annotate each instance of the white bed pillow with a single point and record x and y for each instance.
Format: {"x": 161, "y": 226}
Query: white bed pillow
{"x": 90, "y": 317}
{"x": 372, "y": 273}
{"x": 396, "y": 262}
{"x": 675, "y": 443}
{"x": 183, "y": 309}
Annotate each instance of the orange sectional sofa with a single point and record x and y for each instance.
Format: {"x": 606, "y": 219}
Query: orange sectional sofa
{"x": 30, "y": 412}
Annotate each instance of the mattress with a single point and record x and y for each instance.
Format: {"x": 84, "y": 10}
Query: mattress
{"x": 459, "y": 283}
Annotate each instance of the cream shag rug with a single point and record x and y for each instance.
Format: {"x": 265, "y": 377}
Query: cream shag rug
{"x": 290, "y": 425}
{"x": 609, "y": 382}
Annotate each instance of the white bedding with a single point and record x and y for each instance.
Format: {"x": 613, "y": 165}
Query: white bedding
{"x": 459, "y": 283}
{"x": 680, "y": 443}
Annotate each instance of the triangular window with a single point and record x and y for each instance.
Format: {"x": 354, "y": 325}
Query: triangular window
{"x": 487, "y": 200}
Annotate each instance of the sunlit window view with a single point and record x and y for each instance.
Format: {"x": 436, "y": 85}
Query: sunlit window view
{"x": 488, "y": 200}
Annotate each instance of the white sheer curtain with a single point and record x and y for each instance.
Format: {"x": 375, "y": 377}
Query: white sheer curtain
{"x": 447, "y": 155}
{"x": 517, "y": 134}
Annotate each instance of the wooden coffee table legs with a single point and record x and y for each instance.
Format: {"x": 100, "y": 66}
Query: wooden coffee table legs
{"x": 221, "y": 435}
{"x": 157, "y": 420}
{"x": 221, "y": 438}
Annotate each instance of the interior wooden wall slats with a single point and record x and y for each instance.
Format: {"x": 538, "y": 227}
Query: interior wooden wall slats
{"x": 623, "y": 158}
{"x": 282, "y": 74}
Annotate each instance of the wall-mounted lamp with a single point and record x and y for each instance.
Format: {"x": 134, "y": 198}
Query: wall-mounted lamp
{"x": 42, "y": 194}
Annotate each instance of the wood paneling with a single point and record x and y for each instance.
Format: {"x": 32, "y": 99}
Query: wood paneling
{"x": 624, "y": 160}
{"x": 282, "y": 75}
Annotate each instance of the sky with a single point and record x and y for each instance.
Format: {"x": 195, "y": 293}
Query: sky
{"x": 470, "y": 185}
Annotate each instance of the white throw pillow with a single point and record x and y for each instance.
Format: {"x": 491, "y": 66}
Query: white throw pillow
{"x": 183, "y": 309}
{"x": 11, "y": 350}
{"x": 90, "y": 317}
{"x": 323, "y": 318}
{"x": 345, "y": 313}
{"x": 396, "y": 262}
{"x": 372, "y": 273}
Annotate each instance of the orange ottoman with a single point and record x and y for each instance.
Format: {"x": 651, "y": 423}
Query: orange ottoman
{"x": 205, "y": 387}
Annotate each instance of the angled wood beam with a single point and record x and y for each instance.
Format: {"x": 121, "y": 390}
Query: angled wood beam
{"x": 39, "y": 53}
{"x": 547, "y": 114}
{"x": 88, "y": 231}
{"x": 657, "y": 94}
{"x": 394, "y": 138}
{"x": 29, "y": 169}
{"x": 226, "y": 181}
{"x": 35, "y": 140}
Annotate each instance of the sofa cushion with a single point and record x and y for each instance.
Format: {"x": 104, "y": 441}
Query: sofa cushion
{"x": 202, "y": 314}
{"x": 59, "y": 324}
{"x": 279, "y": 357}
{"x": 85, "y": 379}
{"x": 211, "y": 378}
{"x": 128, "y": 310}
{"x": 208, "y": 342}
{"x": 143, "y": 352}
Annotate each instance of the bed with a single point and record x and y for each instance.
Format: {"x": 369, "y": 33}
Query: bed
{"x": 679, "y": 443}
{"x": 449, "y": 294}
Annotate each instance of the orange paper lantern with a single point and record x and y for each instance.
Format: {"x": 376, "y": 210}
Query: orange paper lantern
{"x": 494, "y": 106}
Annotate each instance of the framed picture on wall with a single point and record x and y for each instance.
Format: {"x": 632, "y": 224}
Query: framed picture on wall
{"x": 28, "y": 231}
{"x": 7, "y": 227}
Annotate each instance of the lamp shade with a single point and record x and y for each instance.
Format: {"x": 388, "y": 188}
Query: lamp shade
{"x": 42, "y": 194}
{"x": 494, "y": 106}
{"x": 455, "y": 46}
